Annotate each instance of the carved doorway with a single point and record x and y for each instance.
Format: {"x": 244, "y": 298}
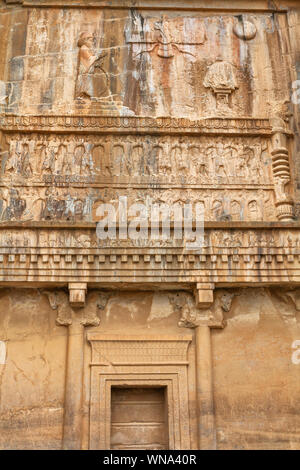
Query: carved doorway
{"x": 140, "y": 369}
{"x": 139, "y": 418}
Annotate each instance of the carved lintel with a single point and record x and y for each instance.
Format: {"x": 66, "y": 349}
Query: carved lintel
{"x": 77, "y": 293}
{"x": 204, "y": 295}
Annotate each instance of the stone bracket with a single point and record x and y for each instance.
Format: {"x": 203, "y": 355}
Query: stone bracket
{"x": 77, "y": 294}
{"x": 204, "y": 295}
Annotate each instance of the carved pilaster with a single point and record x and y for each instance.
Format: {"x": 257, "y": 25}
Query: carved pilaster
{"x": 193, "y": 315}
{"x": 76, "y": 319}
{"x": 281, "y": 172}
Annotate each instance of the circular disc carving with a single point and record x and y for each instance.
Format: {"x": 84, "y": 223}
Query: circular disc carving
{"x": 244, "y": 30}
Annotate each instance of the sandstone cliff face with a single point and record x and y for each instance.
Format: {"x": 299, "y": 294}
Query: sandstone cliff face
{"x": 169, "y": 103}
{"x": 255, "y": 381}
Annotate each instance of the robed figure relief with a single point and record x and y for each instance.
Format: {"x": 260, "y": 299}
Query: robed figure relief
{"x": 92, "y": 80}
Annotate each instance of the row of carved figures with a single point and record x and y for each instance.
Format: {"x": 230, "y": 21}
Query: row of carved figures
{"x": 88, "y": 239}
{"x": 55, "y": 206}
{"x": 204, "y": 161}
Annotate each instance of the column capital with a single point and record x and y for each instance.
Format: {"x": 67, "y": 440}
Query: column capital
{"x": 210, "y": 315}
{"x": 68, "y": 314}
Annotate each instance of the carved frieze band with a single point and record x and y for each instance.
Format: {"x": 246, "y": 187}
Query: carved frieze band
{"x": 226, "y": 154}
{"x": 87, "y": 160}
{"x": 227, "y": 256}
{"x": 131, "y": 350}
{"x": 135, "y": 124}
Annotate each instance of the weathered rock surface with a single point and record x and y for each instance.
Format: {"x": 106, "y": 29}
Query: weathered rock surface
{"x": 164, "y": 103}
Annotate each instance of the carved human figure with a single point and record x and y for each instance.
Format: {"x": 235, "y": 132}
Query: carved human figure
{"x": 137, "y": 160}
{"x": 242, "y": 169}
{"x": 158, "y": 159}
{"x": 255, "y": 158}
{"x": 161, "y": 158}
{"x": 119, "y": 160}
{"x": 218, "y": 158}
{"x": 235, "y": 207}
{"x": 48, "y": 155}
{"x": 199, "y": 163}
{"x": 217, "y": 209}
{"x": 164, "y": 40}
{"x": 78, "y": 209}
{"x": 92, "y": 80}
{"x": 78, "y": 158}
{"x": 16, "y": 206}
{"x": 248, "y": 165}
{"x": 101, "y": 158}
{"x": 230, "y": 157}
{"x": 253, "y": 210}
{"x": 179, "y": 157}
{"x": 54, "y": 208}
{"x": 13, "y": 162}
{"x": 62, "y": 162}
{"x": 86, "y": 162}
{"x": 25, "y": 161}
{"x": 279, "y": 187}
{"x": 55, "y": 159}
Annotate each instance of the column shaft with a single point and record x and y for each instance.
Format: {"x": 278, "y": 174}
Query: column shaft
{"x": 204, "y": 383}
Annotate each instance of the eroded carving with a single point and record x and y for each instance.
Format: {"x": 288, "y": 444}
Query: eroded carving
{"x": 59, "y": 300}
{"x": 163, "y": 36}
{"x": 92, "y": 80}
{"x": 191, "y": 316}
{"x": 244, "y": 29}
{"x": 87, "y": 316}
{"x": 220, "y": 78}
{"x": 202, "y": 159}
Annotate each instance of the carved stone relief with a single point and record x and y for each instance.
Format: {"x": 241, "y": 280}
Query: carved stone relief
{"x": 220, "y": 78}
{"x": 202, "y": 160}
{"x": 100, "y": 66}
{"x": 244, "y": 29}
{"x": 164, "y": 36}
{"x": 191, "y": 316}
{"x": 223, "y": 238}
{"x": 92, "y": 80}
{"x": 87, "y": 316}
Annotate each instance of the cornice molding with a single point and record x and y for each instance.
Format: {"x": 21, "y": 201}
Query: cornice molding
{"x": 179, "y": 5}
{"x": 228, "y": 258}
{"x": 136, "y": 125}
